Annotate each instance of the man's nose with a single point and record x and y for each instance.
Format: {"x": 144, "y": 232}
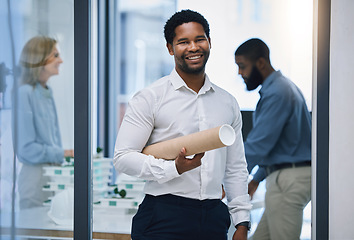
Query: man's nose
{"x": 193, "y": 46}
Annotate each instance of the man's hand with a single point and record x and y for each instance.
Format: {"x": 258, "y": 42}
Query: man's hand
{"x": 240, "y": 233}
{"x": 223, "y": 192}
{"x": 252, "y": 187}
{"x": 184, "y": 164}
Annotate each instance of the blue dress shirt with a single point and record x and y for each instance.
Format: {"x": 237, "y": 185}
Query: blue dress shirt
{"x": 281, "y": 126}
{"x": 38, "y": 135}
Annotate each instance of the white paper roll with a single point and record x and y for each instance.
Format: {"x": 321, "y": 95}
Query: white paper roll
{"x": 194, "y": 143}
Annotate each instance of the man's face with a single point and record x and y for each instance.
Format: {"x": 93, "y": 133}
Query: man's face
{"x": 249, "y": 72}
{"x": 190, "y": 47}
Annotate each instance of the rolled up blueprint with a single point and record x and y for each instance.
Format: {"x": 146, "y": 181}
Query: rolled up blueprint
{"x": 194, "y": 143}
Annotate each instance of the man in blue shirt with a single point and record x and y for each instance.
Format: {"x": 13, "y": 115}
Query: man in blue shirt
{"x": 279, "y": 143}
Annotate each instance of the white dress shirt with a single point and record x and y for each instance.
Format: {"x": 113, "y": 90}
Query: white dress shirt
{"x": 168, "y": 109}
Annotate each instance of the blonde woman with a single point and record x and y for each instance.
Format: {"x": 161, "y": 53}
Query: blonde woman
{"x": 38, "y": 136}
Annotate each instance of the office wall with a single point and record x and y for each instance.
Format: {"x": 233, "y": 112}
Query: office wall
{"x": 286, "y": 27}
{"x": 341, "y": 111}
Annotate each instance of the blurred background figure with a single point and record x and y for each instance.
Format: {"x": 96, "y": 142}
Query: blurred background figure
{"x": 279, "y": 143}
{"x": 38, "y": 136}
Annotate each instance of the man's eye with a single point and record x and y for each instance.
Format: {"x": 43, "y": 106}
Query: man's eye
{"x": 56, "y": 55}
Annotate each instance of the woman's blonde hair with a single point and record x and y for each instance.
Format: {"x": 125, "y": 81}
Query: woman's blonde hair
{"x": 34, "y": 56}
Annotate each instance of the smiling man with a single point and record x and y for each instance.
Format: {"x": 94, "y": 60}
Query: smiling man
{"x": 182, "y": 198}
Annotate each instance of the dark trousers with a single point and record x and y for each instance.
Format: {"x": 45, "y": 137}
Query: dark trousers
{"x": 170, "y": 217}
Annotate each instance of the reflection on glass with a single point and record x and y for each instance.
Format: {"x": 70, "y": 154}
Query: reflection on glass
{"x": 39, "y": 141}
{"x": 36, "y": 115}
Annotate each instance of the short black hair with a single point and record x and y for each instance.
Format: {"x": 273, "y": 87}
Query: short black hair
{"x": 184, "y": 16}
{"x": 253, "y": 49}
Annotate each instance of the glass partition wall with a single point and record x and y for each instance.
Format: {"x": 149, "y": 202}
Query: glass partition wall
{"x": 37, "y": 118}
{"x": 137, "y": 56}
{"x": 48, "y": 109}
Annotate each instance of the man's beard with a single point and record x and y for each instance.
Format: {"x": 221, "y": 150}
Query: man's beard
{"x": 254, "y": 80}
{"x": 187, "y": 69}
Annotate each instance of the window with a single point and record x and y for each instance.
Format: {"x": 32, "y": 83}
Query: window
{"x": 37, "y": 120}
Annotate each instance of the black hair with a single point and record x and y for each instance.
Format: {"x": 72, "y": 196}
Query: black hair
{"x": 184, "y": 16}
{"x": 253, "y": 49}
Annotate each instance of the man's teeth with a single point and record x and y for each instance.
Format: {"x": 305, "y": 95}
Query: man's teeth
{"x": 192, "y": 58}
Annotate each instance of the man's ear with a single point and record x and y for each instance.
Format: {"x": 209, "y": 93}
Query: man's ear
{"x": 209, "y": 42}
{"x": 260, "y": 63}
{"x": 170, "y": 49}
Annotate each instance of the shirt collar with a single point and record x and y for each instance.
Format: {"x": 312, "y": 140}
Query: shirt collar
{"x": 46, "y": 92}
{"x": 269, "y": 80}
{"x": 178, "y": 82}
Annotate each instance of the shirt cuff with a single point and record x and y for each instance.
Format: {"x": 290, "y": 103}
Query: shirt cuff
{"x": 260, "y": 175}
{"x": 170, "y": 171}
{"x": 55, "y": 154}
{"x": 239, "y": 209}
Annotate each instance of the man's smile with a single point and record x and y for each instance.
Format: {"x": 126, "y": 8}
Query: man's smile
{"x": 194, "y": 57}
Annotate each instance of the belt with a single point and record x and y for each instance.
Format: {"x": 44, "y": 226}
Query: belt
{"x": 183, "y": 201}
{"x": 277, "y": 167}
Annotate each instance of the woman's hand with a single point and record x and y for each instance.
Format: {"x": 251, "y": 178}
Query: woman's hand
{"x": 69, "y": 153}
